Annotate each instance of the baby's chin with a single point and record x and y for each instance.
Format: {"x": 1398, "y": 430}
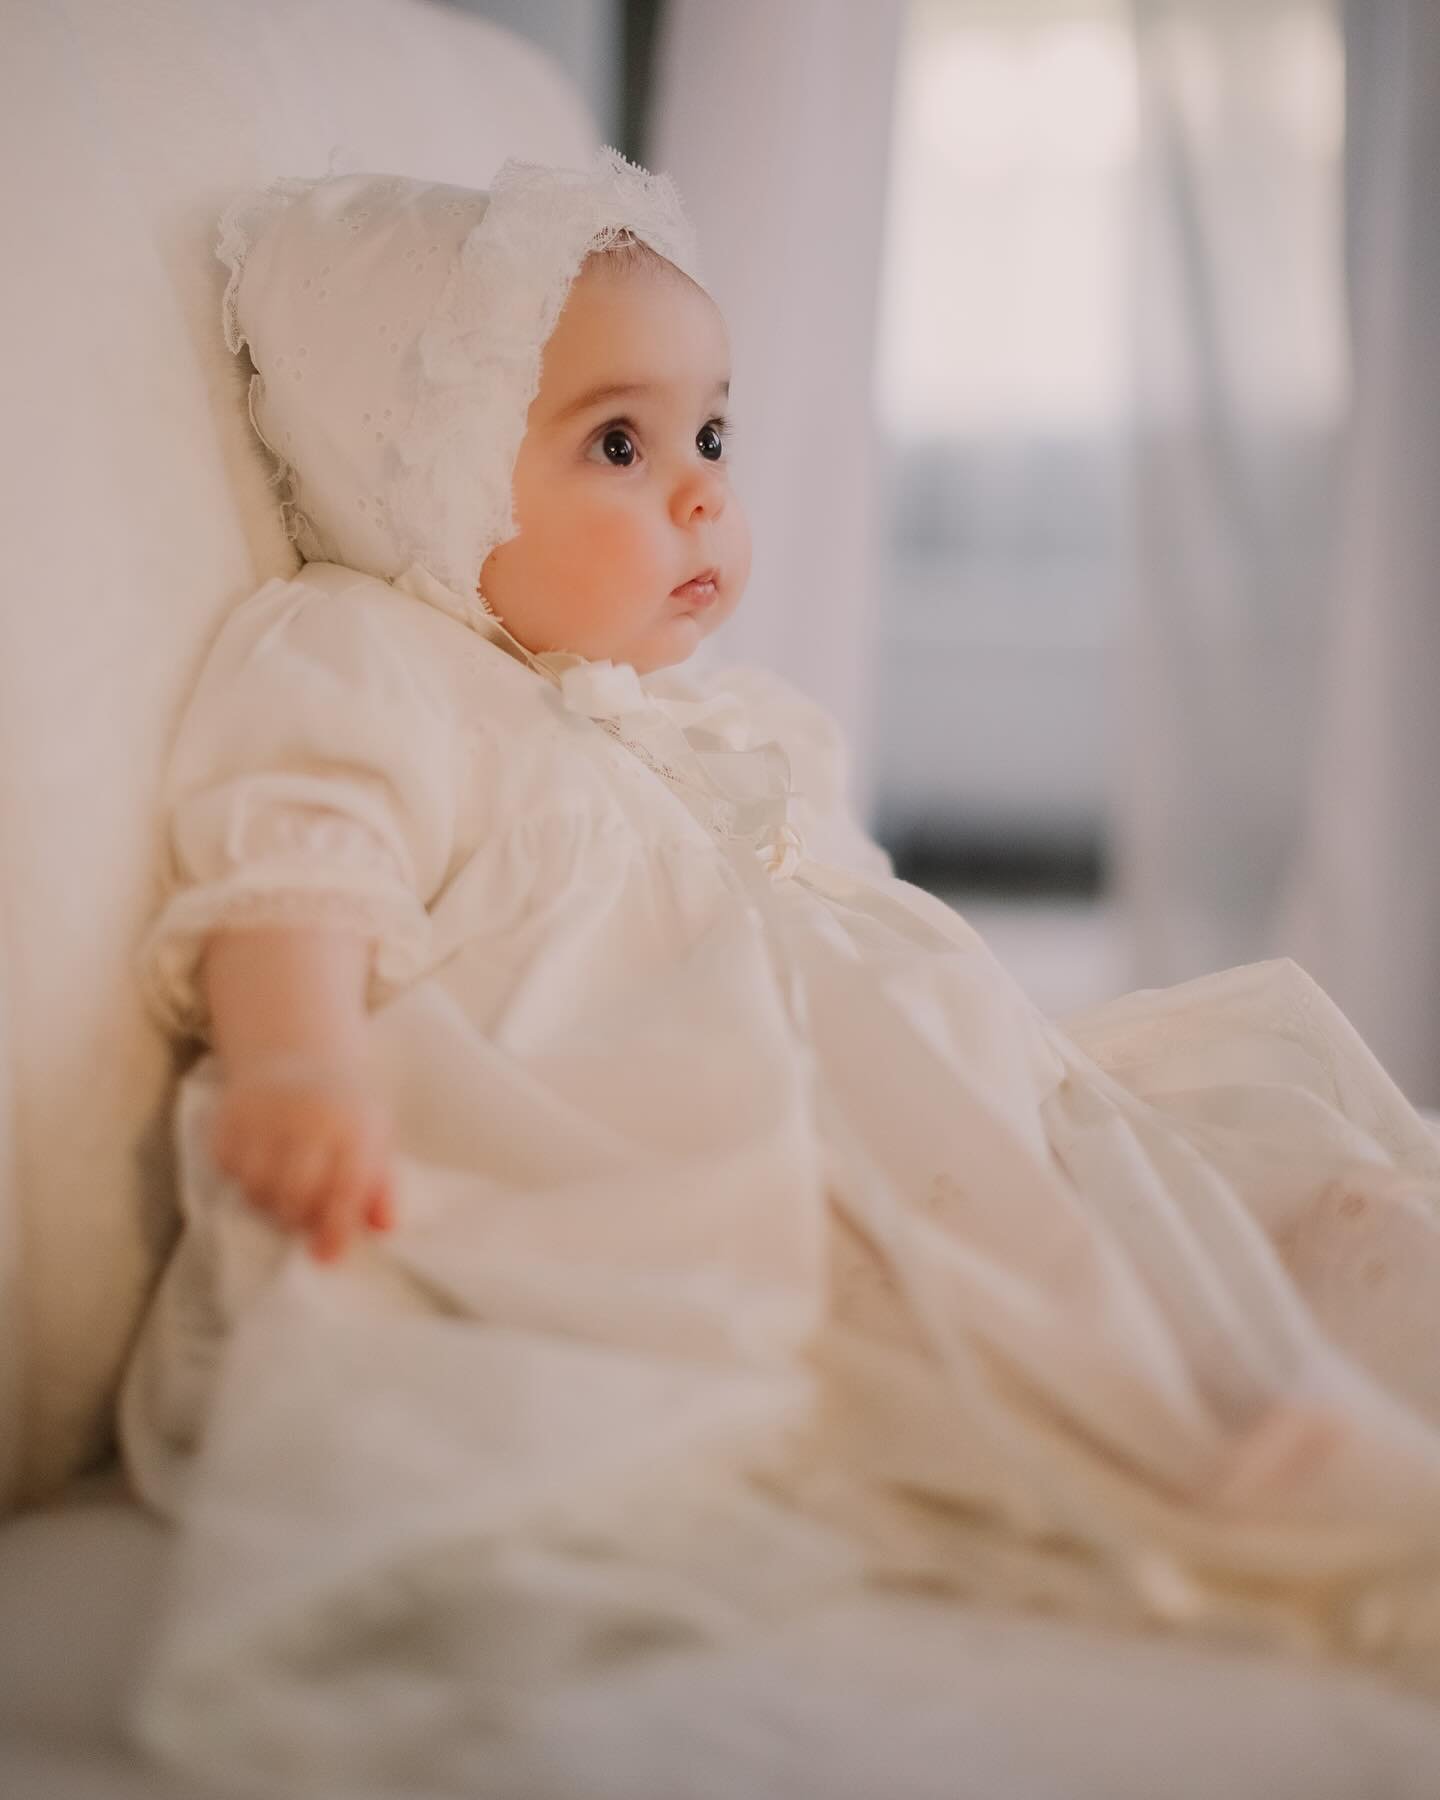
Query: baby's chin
{"x": 673, "y": 642}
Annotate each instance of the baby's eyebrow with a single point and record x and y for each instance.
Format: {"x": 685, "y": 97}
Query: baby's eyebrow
{"x": 617, "y": 390}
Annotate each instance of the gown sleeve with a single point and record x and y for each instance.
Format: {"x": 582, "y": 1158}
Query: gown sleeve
{"x": 314, "y": 782}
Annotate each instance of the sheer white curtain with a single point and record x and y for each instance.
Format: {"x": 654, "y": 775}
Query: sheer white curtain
{"x": 775, "y": 121}
{"x": 1284, "y": 747}
{"x": 1365, "y": 907}
{"x": 11, "y": 1346}
{"x": 1239, "y": 399}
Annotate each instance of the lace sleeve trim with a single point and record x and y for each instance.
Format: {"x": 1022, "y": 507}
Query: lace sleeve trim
{"x": 395, "y": 924}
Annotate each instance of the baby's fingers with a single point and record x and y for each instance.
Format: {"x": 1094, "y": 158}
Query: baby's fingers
{"x": 274, "y": 1167}
{"x": 345, "y": 1209}
{"x": 258, "y": 1166}
{"x": 301, "y": 1182}
{"x": 380, "y": 1209}
{"x": 330, "y": 1235}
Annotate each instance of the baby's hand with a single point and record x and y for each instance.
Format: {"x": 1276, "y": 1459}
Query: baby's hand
{"x": 309, "y": 1141}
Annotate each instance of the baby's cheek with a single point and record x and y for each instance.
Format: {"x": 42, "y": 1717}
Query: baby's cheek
{"x": 619, "y": 540}
{"x": 613, "y": 555}
{"x": 736, "y": 550}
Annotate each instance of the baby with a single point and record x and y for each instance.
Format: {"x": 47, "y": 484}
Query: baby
{"x": 709, "y": 1221}
{"x": 630, "y": 547}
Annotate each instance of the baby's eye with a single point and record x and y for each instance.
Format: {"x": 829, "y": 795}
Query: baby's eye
{"x": 617, "y": 447}
{"x": 709, "y": 442}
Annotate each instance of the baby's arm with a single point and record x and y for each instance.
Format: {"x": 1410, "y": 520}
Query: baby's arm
{"x": 301, "y": 1123}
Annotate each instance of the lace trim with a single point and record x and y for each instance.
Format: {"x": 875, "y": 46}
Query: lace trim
{"x": 242, "y": 224}
{"x": 396, "y": 925}
{"x": 315, "y": 834}
{"x": 480, "y": 351}
{"x": 752, "y": 808}
{"x": 1275, "y": 997}
{"x": 742, "y": 796}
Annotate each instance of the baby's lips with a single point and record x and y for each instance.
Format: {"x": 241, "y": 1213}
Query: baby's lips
{"x": 702, "y": 589}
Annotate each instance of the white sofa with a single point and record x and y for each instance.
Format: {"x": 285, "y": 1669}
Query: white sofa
{"x": 136, "y": 511}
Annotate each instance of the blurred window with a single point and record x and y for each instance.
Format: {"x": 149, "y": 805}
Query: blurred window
{"x": 1008, "y": 367}
{"x": 1001, "y": 389}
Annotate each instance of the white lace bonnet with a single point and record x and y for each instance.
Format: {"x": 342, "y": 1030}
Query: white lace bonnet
{"x": 396, "y": 329}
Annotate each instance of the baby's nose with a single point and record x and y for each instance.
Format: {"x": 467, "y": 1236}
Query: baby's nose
{"x": 700, "y": 496}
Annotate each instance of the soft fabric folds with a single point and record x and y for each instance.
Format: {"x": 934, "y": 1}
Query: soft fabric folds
{"x": 759, "y": 1242}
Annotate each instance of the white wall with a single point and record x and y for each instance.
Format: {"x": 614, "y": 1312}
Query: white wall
{"x": 582, "y": 36}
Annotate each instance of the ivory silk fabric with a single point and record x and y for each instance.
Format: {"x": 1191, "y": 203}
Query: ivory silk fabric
{"x": 759, "y": 1243}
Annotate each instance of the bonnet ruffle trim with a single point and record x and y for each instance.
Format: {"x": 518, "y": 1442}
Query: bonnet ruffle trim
{"x": 480, "y": 351}
{"x": 242, "y": 224}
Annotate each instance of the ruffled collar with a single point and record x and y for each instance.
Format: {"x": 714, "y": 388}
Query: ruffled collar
{"x": 698, "y": 743}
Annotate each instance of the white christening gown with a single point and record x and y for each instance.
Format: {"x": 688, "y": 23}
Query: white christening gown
{"x": 758, "y": 1242}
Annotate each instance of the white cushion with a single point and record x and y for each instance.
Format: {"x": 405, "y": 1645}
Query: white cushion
{"x": 136, "y": 512}
{"x": 985, "y": 1703}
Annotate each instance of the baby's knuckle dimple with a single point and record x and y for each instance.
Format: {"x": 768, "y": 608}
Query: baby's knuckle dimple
{"x": 291, "y": 1212}
{"x": 313, "y": 1213}
{"x": 308, "y": 1183}
{"x": 350, "y": 1170}
{"x": 290, "y": 1169}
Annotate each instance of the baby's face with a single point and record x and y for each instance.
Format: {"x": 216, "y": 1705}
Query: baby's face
{"x": 630, "y": 545}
